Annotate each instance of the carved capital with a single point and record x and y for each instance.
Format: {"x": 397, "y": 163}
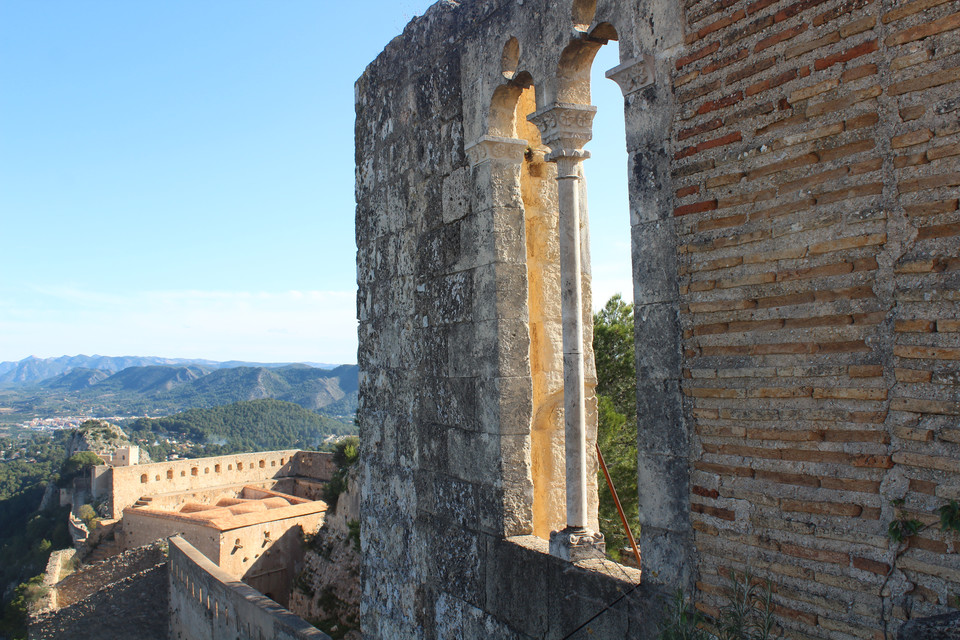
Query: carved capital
{"x": 493, "y": 148}
{"x": 565, "y": 128}
{"x": 633, "y": 75}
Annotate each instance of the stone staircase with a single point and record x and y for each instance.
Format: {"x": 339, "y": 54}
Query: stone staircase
{"x": 143, "y": 501}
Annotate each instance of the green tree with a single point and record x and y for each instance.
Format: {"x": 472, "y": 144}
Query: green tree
{"x": 617, "y": 423}
{"x": 77, "y": 464}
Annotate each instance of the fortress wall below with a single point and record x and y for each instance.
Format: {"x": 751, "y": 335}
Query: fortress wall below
{"x": 206, "y": 603}
{"x": 143, "y": 528}
{"x": 130, "y": 483}
{"x": 315, "y": 465}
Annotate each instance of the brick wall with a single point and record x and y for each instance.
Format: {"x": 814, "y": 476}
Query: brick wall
{"x": 816, "y": 165}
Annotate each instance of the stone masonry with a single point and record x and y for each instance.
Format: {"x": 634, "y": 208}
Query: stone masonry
{"x": 793, "y": 176}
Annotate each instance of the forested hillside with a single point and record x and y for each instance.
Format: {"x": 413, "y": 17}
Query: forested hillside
{"x": 167, "y": 389}
{"x": 255, "y": 425}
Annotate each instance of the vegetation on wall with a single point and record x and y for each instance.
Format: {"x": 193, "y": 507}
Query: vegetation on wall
{"x": 345, "y": 454}
{"x": 617, "y": 419}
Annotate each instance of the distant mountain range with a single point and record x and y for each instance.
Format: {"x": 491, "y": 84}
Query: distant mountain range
{"x": 33, "y": 369}
{"x": 156, "y": 386}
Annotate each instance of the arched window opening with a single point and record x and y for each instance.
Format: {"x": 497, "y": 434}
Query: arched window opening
{"x": 539, "y": 195}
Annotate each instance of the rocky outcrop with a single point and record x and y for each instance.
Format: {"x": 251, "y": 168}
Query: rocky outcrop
{"x": 327, "y": 592}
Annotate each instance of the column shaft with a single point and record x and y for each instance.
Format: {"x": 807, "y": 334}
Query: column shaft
{"x": 571, "y": 309}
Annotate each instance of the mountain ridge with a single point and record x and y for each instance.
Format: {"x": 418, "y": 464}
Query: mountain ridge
{"x": 34, "y": 369}
{"x": 166, "y": 389}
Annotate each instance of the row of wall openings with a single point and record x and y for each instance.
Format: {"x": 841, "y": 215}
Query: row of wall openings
{"x": 584, "y": 62}
{"x": 194, "y": 471}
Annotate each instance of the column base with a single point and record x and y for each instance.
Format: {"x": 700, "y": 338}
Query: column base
{"x": 575, "y": 544}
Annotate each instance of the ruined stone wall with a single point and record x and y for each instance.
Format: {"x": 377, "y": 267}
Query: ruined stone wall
{"x": 793, "y": 175}
{"x": 135, "y": 606}
{"x": 206, "y": 603}
{"x": 89, "y": 579}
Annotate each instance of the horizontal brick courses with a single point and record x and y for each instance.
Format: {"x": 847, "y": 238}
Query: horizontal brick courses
{"x": 819, "y": 330}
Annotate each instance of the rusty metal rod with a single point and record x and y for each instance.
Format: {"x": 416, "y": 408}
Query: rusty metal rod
{"x": 616, "y": 501}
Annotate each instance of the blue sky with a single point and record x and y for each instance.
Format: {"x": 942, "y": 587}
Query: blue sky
{"x": 176, "y": 177}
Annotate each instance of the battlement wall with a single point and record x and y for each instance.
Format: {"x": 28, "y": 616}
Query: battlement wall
{"x": 206, "y": 603}
{"x": 125, "y": 485}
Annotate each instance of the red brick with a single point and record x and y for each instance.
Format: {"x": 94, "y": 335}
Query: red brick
{"x": 923, "y": 486}
{"x": 858, "y": 72}
{"x": 873, "y": 462}
{"x": 723, "y": 514}
{"x": 842, "y": 9}
{"x": 709, "y": 125}
{"x": 806, "y": 618}
{"x": 744, "y": 32}
{"x": 697, "y": 55}
{"x": 726, "y": 61}
{"x": 873, "y": 566}
{"x": 722, "y": 23}
{"x": 688, "y": 191}
{"x": 795, "y": 9}
{"x": 811, "y": 45}
{"x": 934, "y": 79}
{"x": 750, "y": 70}
{"x": 788, "y": 478}
{"x": 699, "y": 92}
{"x": 777, "y": 38}
{"x": 851, "y": 484}
{"x": 719, "y": 142}
{"x": 696, "y": 207}
{"x": 724, "y": 470}
{"x": 855, "y": 52}
{"x": 706, "y": 493}
{"x": 938, "y": 231}
{"x": 947, "y": 23}
{"x": 903, "y": 10}
{"x": 820, "y": 555}
{"x": 759, "y": 5}
{"x": 721, "y": 103}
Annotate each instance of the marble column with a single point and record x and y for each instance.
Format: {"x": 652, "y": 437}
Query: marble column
{"x": 566, "y": 128}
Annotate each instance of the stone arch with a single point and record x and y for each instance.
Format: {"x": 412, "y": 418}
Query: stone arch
{"x": 573, "y": 71}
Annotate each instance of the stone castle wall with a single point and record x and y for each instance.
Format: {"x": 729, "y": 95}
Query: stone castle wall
{"x": 206, "y": 603}
{"x": 125, "y": 485}
{"x": 793, "y": 177}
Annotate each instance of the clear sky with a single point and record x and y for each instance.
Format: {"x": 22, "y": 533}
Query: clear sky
{"x": 176, "y": 177}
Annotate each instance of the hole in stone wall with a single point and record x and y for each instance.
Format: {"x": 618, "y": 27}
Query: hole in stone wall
{"x": 510, "y": 58}
{"x": 583, "y": 12}
{"x": 169, "y": 474}
{"x": 143, "y": 479}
